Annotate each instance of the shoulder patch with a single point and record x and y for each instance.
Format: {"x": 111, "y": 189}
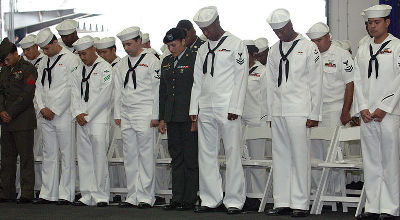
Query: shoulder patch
{"x": 240, "y": 60}
{"x": 31, "y": 80}
{"x": 106, "y": 78}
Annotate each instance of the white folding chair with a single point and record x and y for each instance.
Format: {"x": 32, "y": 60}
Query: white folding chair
{"x": 253, "y": 133}
{"x": 335, "y": 160}
{"x": 163, "y": 159}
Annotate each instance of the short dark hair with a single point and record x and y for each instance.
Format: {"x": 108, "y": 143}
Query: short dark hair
{"x": 387, "y": 17}
{"x": 252, "y": 49}
{"x": 13, "y": 48}
{"x": 137, "y": 38}
{"x": 112, "y": 47}
{"x": 53, "y": 39}
{"x": 185, "y": 24}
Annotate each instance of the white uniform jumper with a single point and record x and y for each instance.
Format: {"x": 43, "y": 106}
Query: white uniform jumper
{"x": 255, "y": 115}
{"x": 53, "y": 90}
{"x": 294, "y": 95}
{"x": 338, "y": 70}
{"x": 91, "y": 94}
{"x": 136, "y": 104}
{"x": 219, "y": 88}
{"x": 374, "y": 89}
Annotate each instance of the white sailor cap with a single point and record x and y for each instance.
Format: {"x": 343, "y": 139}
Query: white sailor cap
{"x": 337, "y": 43}
{"x": 249, "y": 42}
{"x": 378, "y": 11}
{"x": 129, "y": 33}
{"x": 317, "y": 30}
{"x": 205, "y": 16}
{"x": 145, "y": 38}
{"x": 95, "y": 39}
{"x": 67, "y": 27}
{"x": 346, "y": 44}
{"x": 105, "y": 42}
{"x": 261, "y": 44}
{"x": 44, "y": 37}
{"x": 83, "y": 43}
{"x": 278, "y": 18}
{"x": 28, "y": 41}
{"x": 364, "y": 17}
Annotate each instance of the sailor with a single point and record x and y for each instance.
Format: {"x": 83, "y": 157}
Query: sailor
{"x": 337, "y": 93}
{"x": 106, "y": 49}
{"x": 255, "y": 115}
{"x": 193, "y": 42}
{"x": 34, "y": 56}
{"x": 376, "y": 84}
{"x": 294, "y": 102}
{"x": 136, "y": 85}
{"x": 367, "y": 38}
{"x": 263, "y": 49}
{"x": 53, "y": 98}
{"x": 147, "y": 44}
{"x": 90, "y": 105}
{"x": 68, "y": 33}
{"x": 219, "y": 88}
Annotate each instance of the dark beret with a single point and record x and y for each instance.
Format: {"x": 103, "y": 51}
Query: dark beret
{"x": 174, "y": 34}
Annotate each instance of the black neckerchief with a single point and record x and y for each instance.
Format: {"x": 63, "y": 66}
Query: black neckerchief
{"x": 374, "y": 57}
{"x": 212, "y": 52}
{"x": 284, "y": 58}
{"x": 132, "y": 69}
{"x": 48, "y": 69}
{"x": 86, "y": 80}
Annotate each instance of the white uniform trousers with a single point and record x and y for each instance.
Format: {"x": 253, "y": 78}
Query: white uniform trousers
{"x": 57, "y": 137}
{"x": 92, "y": 142}
{"x": 138, "y": 145}
{"x": 380, "y": 151}
{"x": 319, "y": 150}
{"x": 37, "y": 152}
{"x": 212, "y": 124}
{"x": 291, "y": 162}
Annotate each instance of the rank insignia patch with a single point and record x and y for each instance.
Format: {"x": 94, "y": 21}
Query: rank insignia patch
{"x": 240, "y": 60}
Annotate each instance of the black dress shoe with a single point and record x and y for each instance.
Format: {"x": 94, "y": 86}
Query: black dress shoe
{"x": 299, "y": 213}
{"x": 143, "y": 205}
{"x": 368, "y": 216}
{"x": 79, "y": 203}
{"x": 172, "y": 206}
{"x": 41, "y": 201}
{"x": 385, "y": 216}
{"x": 280, "y": 211}
{"x": 184, "y": 206}
{"x": 63, "y": 202}
{"x": 102, "y": 204}
{"x": 23, "y": 200}
{"x": 233, "y": 210}
{"x": 125, "y": 205}
{"x": 202, "y": 209}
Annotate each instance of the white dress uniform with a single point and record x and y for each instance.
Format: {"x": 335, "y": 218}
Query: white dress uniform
{"x": 136, "y": 104}
{"x": 380, "y": 140}
{"x": 255, "y": 115}
{"x": 27, "y": 42}
{"x": 338, "y": 71}
{"x": 218, "y": 90}
{"x": 55, "y": 93}
{"x": 91, "y": 94}
{"x": 296, "y": 99}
